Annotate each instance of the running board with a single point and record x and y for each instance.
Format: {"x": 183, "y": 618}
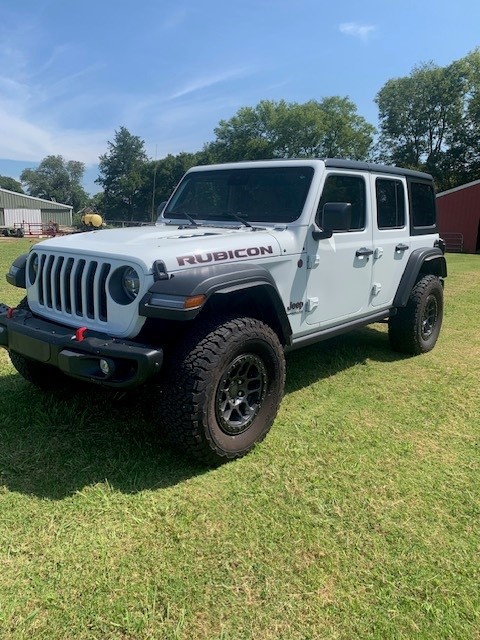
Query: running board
{"x": 331, "y": 332}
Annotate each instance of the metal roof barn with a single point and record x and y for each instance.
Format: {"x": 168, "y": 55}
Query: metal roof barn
{"x": 31, "y": 214}
{"x": 459, "y": 217}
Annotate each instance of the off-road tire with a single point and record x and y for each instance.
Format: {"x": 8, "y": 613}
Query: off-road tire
{"x": 42, "y": 375}
{"x": 225, "y": 384}
{"x": 415, "y": 327}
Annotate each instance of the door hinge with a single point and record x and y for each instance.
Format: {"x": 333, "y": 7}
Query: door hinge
{"x": 377, "y": 287}
{"x": 311, "y": 305}
{"x": 313, "y": 261}
{"x": 378, "y": 253}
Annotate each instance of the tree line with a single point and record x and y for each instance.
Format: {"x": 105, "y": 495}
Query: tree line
{"x": 428, "y": 120}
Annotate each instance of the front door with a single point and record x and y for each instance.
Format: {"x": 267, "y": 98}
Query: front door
{"x": 340, "y": 268}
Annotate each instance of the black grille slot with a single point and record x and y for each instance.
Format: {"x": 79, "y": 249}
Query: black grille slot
{"x": 57, "y": 292}
{"x": 90, "y": 289}
{"x": 41, "y": 265}
{"x": 47, "y": 278}
{"x": 73, "y": 286}
{"x": 102, "y": 292}
{"x": 77, "y": 288}
{"x": 66, "y": 284}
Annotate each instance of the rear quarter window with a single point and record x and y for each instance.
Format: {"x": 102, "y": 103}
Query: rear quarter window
{"x": 423, "y": 212}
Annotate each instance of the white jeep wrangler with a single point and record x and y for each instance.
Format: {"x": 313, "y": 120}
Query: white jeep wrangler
{"x": 247, "y": 260}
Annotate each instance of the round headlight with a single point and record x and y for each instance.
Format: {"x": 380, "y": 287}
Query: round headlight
{"x": 131, "y": 282}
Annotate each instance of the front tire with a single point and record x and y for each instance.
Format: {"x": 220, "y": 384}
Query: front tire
{"x": 416, "y": 327}
{"x": 43, "y": 376}
{"x": 226, "y": 384}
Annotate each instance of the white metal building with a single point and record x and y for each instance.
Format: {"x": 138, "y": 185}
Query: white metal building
{"x": 33, "y": 215}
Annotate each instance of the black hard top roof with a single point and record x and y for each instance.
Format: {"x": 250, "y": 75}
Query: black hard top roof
{"x": 335, "y": 163}
{"x": 338, "y": 163}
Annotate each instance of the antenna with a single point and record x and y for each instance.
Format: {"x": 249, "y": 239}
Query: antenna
{"x": 154, "y": 181}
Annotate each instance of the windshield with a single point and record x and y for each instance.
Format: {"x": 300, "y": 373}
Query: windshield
{"x": 269, "y": 194}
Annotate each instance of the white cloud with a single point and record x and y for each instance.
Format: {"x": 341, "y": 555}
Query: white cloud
{"x": 58, "y": 52}
{"x": 45, "y": 105}
{"x": 22, "y": 139}
{"x": 207, "y": 81}
{"x": 174, "y": 19}
{"x": 32, "y": 107}
{"x": 356, "y": 30}
{"x": 13, "y": 91}
{"x": 51, "y": 103}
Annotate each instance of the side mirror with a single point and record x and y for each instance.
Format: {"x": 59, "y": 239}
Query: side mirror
{"x": 321, "y": 234}
{"x": 336, "y": 216}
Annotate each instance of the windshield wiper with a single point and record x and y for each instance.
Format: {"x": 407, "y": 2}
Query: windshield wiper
{"x": 182, "y": 212}
{"x": 245, "y": 223}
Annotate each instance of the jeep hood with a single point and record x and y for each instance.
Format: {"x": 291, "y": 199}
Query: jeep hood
{"x": 178, "y": 247}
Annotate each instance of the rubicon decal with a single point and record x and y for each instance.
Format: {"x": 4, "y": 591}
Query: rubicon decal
{"x": 218, "y": 256}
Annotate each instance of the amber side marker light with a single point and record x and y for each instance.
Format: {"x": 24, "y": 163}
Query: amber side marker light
{"x": 192, "y": 302}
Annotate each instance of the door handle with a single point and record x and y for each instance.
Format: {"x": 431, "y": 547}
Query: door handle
{"x": 401, "y": 247}
{"x": 363, "y": 252}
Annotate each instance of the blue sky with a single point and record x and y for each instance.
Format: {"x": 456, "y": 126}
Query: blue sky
{"x": 71, "y": 73}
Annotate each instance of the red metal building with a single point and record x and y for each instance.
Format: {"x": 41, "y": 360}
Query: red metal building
{"x": 459, "y": 217}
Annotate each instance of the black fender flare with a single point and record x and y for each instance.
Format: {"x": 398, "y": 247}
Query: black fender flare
{"x": 427, "y": 259}
{"x": 166, "y": 297}
{"x": 16, "y": 275}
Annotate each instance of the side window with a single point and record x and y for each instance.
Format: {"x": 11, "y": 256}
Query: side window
{"x": 343, "y": 188}
{"x": 422, "y": 204}
{"x": 390, "y": 203}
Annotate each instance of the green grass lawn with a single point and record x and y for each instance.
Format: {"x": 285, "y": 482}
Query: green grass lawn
{"x": 357, "y": 517}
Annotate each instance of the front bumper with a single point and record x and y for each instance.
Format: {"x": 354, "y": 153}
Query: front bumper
{"x": 78, "y": 353}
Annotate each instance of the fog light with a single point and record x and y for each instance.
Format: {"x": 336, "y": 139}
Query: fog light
{"x": 106, "y": 367}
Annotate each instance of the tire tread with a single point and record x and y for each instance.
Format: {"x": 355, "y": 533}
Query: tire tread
{"x": 403, "y": 328}
{"x": 183, "y": 406}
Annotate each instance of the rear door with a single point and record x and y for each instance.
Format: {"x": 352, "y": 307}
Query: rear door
{"x": 391, "y": 238}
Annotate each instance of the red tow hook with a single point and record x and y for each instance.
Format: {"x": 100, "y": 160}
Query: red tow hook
{"x": 10, "y": 311}
{"x": 80, "y": 334}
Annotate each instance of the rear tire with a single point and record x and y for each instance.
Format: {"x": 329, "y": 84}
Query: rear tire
{"x": 225, "y": 385}
{"x": 415, "y": 327}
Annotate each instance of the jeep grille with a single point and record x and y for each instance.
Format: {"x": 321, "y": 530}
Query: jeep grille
{"x": 73, "y": 286}
{"x": 83, "y": 290}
